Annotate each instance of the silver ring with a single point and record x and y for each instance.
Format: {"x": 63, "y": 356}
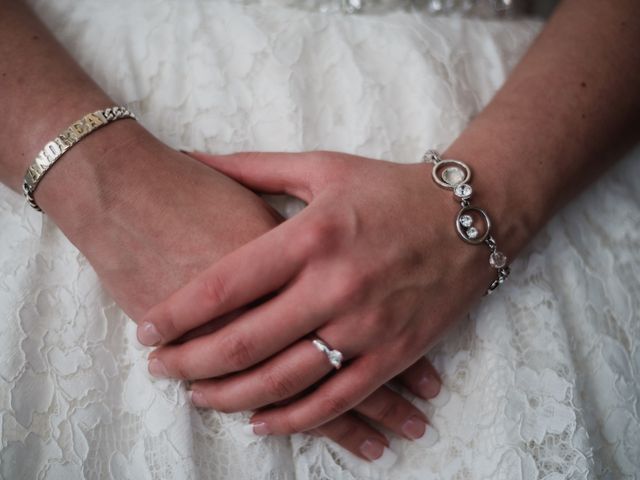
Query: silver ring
{"x": 334, "y": 356}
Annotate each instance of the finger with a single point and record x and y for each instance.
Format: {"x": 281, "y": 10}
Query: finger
{"x": 272, "y": 172}
{"x": 392, "y": 411}
{"x": 256, "y": 335}
{"x": 335, "y": 396}
{"x": 277, "y": 379}
{"x": 243, "y": 276}
{"x": 422, "y": 379}
{"x": 360, "y": 439}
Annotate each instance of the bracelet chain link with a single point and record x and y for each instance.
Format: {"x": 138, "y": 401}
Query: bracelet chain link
{"x": 455, "y": 175}
{"x": 53, "y": 150}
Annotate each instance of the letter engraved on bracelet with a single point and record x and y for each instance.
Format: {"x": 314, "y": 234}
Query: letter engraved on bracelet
{"x": 51, "y": 151}
{"x": 66, "y": 139}
{"x": 93, "y": 120}
{"x": 61, "y": 144}
{"x": 41, "y": 161}
{"x": 71, "y": 136}
{"x": 34, "y": 172}
{"x": 78, "y": 128}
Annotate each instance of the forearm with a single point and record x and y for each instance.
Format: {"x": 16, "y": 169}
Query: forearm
{"x": 147, "y": 217}
{"x": 562, "y": 117}
{"x": 43, "y": 90}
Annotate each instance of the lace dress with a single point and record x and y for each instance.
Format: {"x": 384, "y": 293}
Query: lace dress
{"x": 544, "y": 376}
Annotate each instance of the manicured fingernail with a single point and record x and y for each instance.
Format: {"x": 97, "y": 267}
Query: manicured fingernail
{"x": 148, "y": 335}
{"x": 442, "y": 398}
{"x": 414, "y": 427}
{"x": 429, "y": 439}
{"x": 429, "y": 387}
{"x": 376, "y": 451}
{"x": 196, "y": 397}
{"x": 261, "y": 428}
{"x": 157, "y": 368}
{"x": 387, "y": 460}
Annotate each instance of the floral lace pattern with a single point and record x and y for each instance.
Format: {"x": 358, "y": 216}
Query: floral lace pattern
{"x": 544, "y": 376}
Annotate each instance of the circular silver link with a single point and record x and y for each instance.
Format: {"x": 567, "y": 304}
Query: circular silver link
{"x": 464, "y": 222}
{"x": 464, "y": 233}
{"x": 455, "y": 164}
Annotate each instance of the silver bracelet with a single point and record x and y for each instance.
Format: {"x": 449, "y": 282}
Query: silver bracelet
{"x": 455, "y": 175}
{"x": 53, "y": 150}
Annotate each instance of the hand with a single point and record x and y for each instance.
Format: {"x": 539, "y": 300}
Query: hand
{"x": 372, "y": 266}
{"x": 153, "y": 218}
{"x": 147, "y": 218}
{"x": 388, "y": 409}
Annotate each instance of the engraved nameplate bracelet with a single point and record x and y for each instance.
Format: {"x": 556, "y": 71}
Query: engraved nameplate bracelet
{"x": 53, "y": 150}
{"x": 472, "y": 223}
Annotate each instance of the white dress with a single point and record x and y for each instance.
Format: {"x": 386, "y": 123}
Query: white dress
{"x": 544, "y": 376}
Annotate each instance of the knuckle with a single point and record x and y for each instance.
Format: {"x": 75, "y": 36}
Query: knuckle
{"x": 169, "y": 326}
{"x": 277, "y": 386}
{"x": 215, "y": 289}
{"x": 220, "y": 405}
{"x": 320, "y": 235}
{"x": 237, "y": 352}
{"x": 178, "y": 366}
{"x": 214, "y": 397}
{"x": 387, "y": 411}
{"x": 334, "y": 406}
{"x": 292, "y": 426}
{"x": 346, "y": 432}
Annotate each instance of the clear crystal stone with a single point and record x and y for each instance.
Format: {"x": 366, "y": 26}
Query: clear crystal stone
{"x": 466, "y": 220}
{"x": 453, "y": 176}
{"x": 463, "y": 191}
{"x": 497, "y": 259}
{"x": 335, "y": 358}
{"x": 472, "y": 232}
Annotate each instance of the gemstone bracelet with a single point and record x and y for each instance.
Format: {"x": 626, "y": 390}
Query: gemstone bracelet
{"x": 472, "y": 223}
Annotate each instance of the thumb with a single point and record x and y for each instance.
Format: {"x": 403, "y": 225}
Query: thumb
{"x": 269, "y": 172}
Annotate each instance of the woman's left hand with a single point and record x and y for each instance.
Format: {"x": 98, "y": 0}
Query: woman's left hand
{"x": 372, "y": 266}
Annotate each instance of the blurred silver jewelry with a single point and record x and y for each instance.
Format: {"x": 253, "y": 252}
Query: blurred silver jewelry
{"x": 53, "y": 150}
{"x": 334, "y": 356}
{"x": 455, "y": 175}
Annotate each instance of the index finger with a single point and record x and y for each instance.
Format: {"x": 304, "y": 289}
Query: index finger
{"x": 243, "y": 276}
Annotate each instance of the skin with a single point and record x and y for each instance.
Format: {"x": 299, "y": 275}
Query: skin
{"x": 371, "y": 270}
{"x": 147, "y": 235}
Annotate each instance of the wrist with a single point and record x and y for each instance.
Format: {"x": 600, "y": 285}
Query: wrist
{"x": 507, "y": 183}
{"x": 82, "y": 185}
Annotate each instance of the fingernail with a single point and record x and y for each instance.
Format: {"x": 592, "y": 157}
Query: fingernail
{"x": 442, "y": 398}
{"x": 196, "y": 397}
{"x": 260, "y": 428}
{"x": 376, "y": 451}
{"x": 247, "y": 431}
{"x": 429, "y": 439}
{"x": 429, "y": 387}
{"x": 414, "y": 427}
{"x": 157, "y": 368}
{"x": 148, "y": 335}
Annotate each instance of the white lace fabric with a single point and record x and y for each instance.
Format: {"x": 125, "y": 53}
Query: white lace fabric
{"x": 544, "y": 374}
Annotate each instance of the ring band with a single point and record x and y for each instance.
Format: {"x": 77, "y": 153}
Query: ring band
{"x": 334, "y": 356}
